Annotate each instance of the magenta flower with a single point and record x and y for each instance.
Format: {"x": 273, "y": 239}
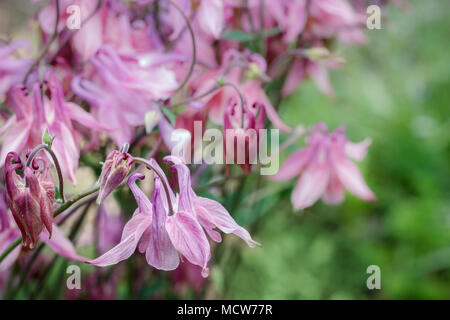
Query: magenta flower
{"x": 162, "y": 234}
{"x": 34, "y": 114}
{"x": 114, "y": 171}
{"x": 241, "y": 130}
{"x": 326, "y": 170}
{"x": 30, "y": 198}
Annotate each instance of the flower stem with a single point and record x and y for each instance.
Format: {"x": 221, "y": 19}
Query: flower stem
{"x": 163, "y": 181}
{"x": 47, "y": 46}
{"x": 194, "y": 48}
{"x": 55, "y": 161}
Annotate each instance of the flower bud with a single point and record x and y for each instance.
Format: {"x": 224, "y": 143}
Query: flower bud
{"x": 115, "y": 170}
{"x": 30, "y": 198}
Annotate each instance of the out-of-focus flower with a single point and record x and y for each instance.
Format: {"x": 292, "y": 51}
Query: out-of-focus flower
{"x": 241, "y": 131}
{"x": 30, "y": 198}
{"x": 12, "y": 70}
{"x": 48, "y": 110}
{"x": 114, "y": 171}
{"x": 161, "y": 236}
{"x": 128, "y": 84}
{"x": 325, "y": 168}
{"x": 234, "y": 66}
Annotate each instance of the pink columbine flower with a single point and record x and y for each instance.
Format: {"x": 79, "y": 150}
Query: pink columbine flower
{"x": 243, "y": 70}
{"x": 241, "y": 130}
{"x": 114, "y": 172}
{"x": 325, "y": 169}
{"x": 30, "y": 198}
{"x": 162, "y": 235}
{"x": 33, "y": 114}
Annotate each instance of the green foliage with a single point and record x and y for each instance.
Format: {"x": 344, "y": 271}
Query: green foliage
{"x": 396, "y": 91}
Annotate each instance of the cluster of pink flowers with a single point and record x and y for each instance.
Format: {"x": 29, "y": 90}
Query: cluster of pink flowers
{"x": 132, "y": 61}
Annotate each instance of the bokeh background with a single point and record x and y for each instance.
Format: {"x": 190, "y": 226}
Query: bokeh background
{"x": 395, "y": 90}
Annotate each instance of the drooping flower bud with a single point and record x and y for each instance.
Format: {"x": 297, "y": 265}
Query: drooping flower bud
{"x": 115, "y": 170}
{"x": 30, "y": 198}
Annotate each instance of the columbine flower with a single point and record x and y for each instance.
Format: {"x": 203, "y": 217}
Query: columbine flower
{"x": 162, "y": 234}
{"x": 30, "y": 199}
{"x": 236, "y": 66}
{"x": 211, "y": 17}
{"x": 114, "y": 171}
{"x": 325, "y": 169}
{"x": 241, "y": 130}
{"x": 38, "y": 112}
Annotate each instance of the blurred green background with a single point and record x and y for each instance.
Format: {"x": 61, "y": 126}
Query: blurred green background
{"x": 396, "y": 90}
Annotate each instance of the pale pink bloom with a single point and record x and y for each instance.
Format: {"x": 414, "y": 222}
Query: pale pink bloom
{"x": 302, "y": 68}
{"x": 325, "y": 169}
{"x": 242, "y": 125}
{"x": 12, "y": 70}
{"x": 336, "y": 18}
{"x": 162, "y": 236}
{"x": 235, "y": 67}
{"x": 36, "y": 113}
{"x": 128, "y": 84}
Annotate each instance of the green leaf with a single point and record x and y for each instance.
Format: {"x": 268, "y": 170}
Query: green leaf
{"x": 238, "y": 35}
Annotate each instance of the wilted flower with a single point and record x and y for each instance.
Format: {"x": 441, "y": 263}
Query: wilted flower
{"x": 30, "y": 198}
{"x": 114, "y": 172}
{"x": 325, "y": 169}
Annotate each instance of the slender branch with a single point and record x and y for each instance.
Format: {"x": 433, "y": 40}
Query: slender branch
{"x": 55, "y": 161}
{"x": 163, "y": 181}
{"x": 216, "y": 87}
{"x": 47, "y": 46}
{"x": 194, "y": 48}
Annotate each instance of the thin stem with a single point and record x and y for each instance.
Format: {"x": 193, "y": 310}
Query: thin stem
{"x": 194, "y": 48}
{"x": 216, "y": 87}
{"x": 163, "y": 181}
{"x": 55, "y": 161}
{"x": 47, "y": 46}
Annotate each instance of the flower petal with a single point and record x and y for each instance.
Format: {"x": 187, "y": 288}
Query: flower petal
{"x": 160, "y": 253}
{"x": 131, "y": 235}
{"x": 187, "y": 236}
{"x": 311, "y": 185}
{"x": 350, "y": 176}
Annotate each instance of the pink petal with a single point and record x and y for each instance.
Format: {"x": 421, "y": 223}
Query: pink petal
{"x": 212, "y": 211}
{"x": 311, "y": 186}
{"x": 131, "y": 235}
{"x": 350, "y": 176}
{"x": 160, "y": 253}
{"x": 61, "y": 244}
{"x": 65, "y": 149}
{"x": 293, "y": 165}
{"x": 83, "y": 117}
{"x": 211, "y": 17}
{"x": 358, "y": 150}
{"x": 144, "y": 204}
{"x": 15, "y": 139}
{"x": 320, "y": 76}
{"x": 294, "y": 78}
{"x": 335, "y": 192}
{"x": 187, "y": 236}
